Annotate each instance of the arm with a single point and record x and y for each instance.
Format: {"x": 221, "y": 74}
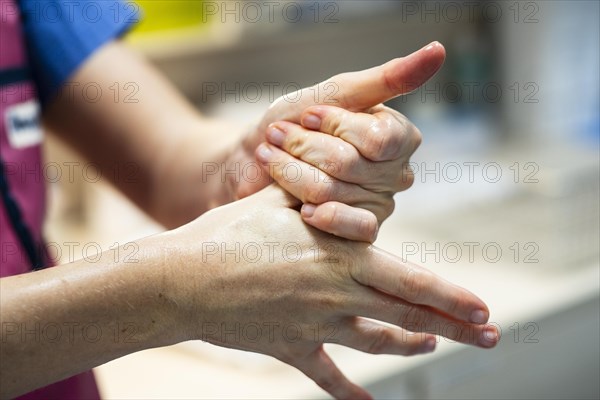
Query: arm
{"x": 61, "y": 321}
{"x": 161, "y": 134}
{"x": 174, "y": 148}
{"x": 185, "y": 286}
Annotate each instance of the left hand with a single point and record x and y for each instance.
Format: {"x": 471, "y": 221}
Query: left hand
{"x": 287, "y": 274}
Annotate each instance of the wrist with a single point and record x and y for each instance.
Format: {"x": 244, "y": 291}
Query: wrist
{"x": 167, "y": 287}
{"x": 187, "y": 278}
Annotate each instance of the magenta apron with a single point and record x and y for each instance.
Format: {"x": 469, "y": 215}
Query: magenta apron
{"x": 22, "y": 189}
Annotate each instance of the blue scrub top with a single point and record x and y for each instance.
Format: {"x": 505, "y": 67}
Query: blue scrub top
{"x": 60, "y": 35}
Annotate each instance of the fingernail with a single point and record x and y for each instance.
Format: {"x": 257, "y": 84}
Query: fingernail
{"x": 489, "y": 337}
{"x": 479, "y": 317}
{"x": 430, "y": 344}
{"x": 307, "y": 210}
{"x": 311, "y": 121}
{"x": 376, "y": 233}
{"x": 432, "y": 45}
{"x": 264, "y": 153}
{"x": 275, "y": 135}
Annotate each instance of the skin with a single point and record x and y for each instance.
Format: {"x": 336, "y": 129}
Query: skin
{"x": 183, "y": 282}
{"x": 368, "y": 197}
{"x": 180, "y": 286}
{"x": 172, "y": 149}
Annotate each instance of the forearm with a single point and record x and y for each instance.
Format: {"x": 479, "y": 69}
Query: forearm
{"x": 198, "y": 173}
{"x": 148, "y": 141}
{"x": 65, "y": 320}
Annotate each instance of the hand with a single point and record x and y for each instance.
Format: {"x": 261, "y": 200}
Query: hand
{"x": 347, "y": 174}
{"x": 360, "y": 94}
{"x": 269, "y": 295}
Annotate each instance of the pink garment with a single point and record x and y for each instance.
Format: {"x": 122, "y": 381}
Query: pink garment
{"x": 23, "y": 171}
{"x": 23, "y": 165}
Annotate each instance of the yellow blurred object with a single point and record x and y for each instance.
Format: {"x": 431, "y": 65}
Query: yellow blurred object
{"x": 161, "y": 15}
{"x": 171, "y": 28}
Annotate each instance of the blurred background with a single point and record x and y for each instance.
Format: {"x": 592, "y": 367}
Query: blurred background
{"x": 505, "y": 201}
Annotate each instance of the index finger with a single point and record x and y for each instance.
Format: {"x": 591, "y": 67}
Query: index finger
{"x": 418, "y": 285}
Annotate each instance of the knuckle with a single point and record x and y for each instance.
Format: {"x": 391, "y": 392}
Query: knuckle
{"x": 416, "y": 136}
{"x": 406, "y": 136}
{"x": 414, "y": 318}
{"x": 406, "y": 178}
{"x": 343, "y": 162}
{"x": 329, "y": 302}
{"x": 333, "y": 121}
{"x": 388, "y": 206}
{"x": 348, "y": 159}
{"x": 295, "y": 145}
{"x": 368, "y": 227}
{"x": 383, "y": 209}
{"x": 365, "y": 276}
{"x": 377, "y": 140}
{"x": 454, "y": 304}
{"x": 327, "y": 216}
{"x": 276, "y": 172}
{"x": 326, "y": 383}
{"x": 412, "y": 346}
{"x": 290, "y": 170}
{"x": 412, "y": 285}
{"x": 317, "y": 192}
{"x": 387, "y": 136}
{"x": 381, "y": 341}
{"x": 401, "y": 134}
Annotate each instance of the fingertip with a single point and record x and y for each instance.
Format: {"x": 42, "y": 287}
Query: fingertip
{"x": 275, "y": 134}
{"x": 311, "y": 120}
{"x": 312, "y": 117}
{"x": 405, "y": 74}
{"x": 308, "y": 210}
{"x": 430, "y": 343}
{"x": 489, "y": 337}
{"x": 376, "y": 233}
{"x": 435, "y": 46}
{"x": 264, "y": 153}
{"x": 342, "y": 220}
{"x": 479, "y": 316}
{"x": 475, "y": 311}
{"x": 435, "y": 54}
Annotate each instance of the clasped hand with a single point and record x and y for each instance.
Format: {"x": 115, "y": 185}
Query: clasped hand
{"x": 350, "y": 157}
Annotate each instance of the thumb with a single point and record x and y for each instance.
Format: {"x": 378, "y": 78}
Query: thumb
{"x": 361, "y": 90}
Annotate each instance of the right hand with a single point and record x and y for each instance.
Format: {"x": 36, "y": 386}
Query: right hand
{"x": 253, "y": 267}
{"x": 367, "y": 144}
